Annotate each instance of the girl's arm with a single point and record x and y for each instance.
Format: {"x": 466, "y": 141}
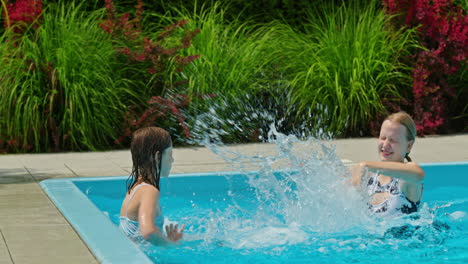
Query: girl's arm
{"x": 356, "y": 172}
{"x": 409, "y": 172}
{"x": 146, "y": 217}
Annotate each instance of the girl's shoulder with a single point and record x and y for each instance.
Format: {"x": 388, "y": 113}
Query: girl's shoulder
{"x": 149, "y": 190}
{"x": 144, "y": 190}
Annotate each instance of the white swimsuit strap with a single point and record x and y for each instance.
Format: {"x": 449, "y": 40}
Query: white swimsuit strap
{"x": 135, "y": 189}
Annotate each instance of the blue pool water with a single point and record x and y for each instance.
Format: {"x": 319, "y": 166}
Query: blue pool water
{"x": 280, "y": 217}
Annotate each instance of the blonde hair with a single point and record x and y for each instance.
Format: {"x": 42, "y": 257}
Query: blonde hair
{"x": 404, "y": 119}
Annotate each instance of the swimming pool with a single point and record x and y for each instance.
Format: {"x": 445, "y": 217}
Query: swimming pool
{"x": 230, "y": 217}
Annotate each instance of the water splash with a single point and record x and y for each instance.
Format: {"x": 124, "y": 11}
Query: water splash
{"x": 300, "y": 188}
{"x": 303, "y": 197}
{"x": 302, "y": 200}
{"x": 299, "y": 205}
{"x": 247, "y": 118}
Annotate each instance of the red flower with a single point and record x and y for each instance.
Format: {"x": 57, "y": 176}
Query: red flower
{"x": 23, "y": 13}
{"x": 443, "y": 31}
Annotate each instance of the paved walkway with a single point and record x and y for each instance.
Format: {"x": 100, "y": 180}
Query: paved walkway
{"x": 32, "y": 230}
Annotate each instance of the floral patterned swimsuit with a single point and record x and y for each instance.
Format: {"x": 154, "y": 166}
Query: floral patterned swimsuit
{"x": 396, "y": 203}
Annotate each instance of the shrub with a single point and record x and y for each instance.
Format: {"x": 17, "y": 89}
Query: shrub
{"x": 330, "y": 81}
{"x": 345, "y": 67}
{"x": 59, "y": 89}
{"x": 153, "y": 64}
{"x": 232, "y": 58}
{"x": 443, "y": 32}
{"x": 237, "y": 65}
{"x": 22, "y": 14}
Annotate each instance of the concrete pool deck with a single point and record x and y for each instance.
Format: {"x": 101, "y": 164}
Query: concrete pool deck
{"x": 32, "y": 230}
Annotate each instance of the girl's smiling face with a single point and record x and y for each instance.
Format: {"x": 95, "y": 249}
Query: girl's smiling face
{"x": 393, "y": 144}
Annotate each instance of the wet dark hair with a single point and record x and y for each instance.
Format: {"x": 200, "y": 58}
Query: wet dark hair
{"x": 147, "y": 146}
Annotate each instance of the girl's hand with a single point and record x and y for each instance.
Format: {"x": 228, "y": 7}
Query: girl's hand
{"x": 357, "y": 172}
{"x": 173, "y": 234}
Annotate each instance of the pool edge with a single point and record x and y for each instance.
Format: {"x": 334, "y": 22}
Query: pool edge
{"x": 69, "y": 191}
{"x": 97, "y": 232}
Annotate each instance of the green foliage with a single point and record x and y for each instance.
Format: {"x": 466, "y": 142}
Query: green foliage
{"x": 59, "y": 89}
{"x": 332, "y": 79}
{"x": 237, "y": 63}
{"x": 231, "y": 55}
{"x": 345, "y": 65}
{"x": 152, "y": 61}
{"x": 69, "y": 85}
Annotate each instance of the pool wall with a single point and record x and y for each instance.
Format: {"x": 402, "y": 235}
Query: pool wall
{"x": 109, "y": 245}
{"x": 101, "y": 236}
{"x": 445, "y": 174}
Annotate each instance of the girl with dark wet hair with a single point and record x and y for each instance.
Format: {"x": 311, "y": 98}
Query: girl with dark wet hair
{"x": 140, "y": 215}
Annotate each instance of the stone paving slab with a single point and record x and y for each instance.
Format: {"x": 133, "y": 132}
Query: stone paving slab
{"x": 5, "y": 257}
{"x": 427, "y": 149}
{"x": 43, "y": 174}
{"x": 27, "y": 185}
{"x": 9, "y": 162}
{"x": 46, "y": 244}
{"x": 28, "y": 210}
{"x": 33, "y": 231}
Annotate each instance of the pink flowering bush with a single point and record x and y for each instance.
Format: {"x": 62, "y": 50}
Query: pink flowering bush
{"x": 153, "y": 65}
{"x": 443, "y": 32}
{"x": 21, "y": 14}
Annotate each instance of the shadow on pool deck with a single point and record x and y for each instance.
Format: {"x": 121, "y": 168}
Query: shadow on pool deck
{"x": 32, "y": 230}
